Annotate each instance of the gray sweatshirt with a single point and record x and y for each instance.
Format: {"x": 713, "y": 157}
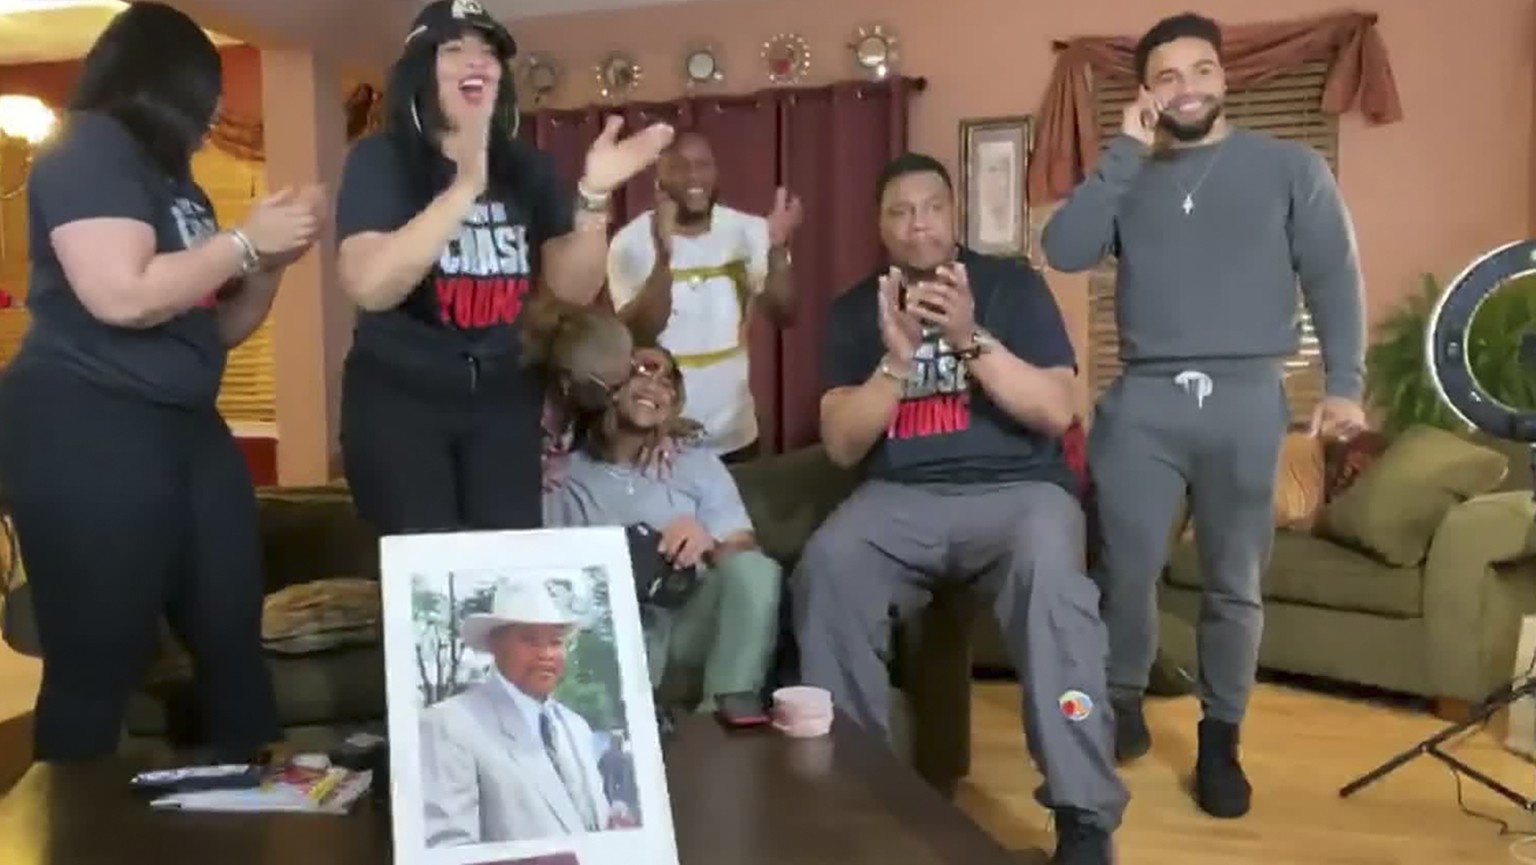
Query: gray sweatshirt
{"x": 1220, "y": 281}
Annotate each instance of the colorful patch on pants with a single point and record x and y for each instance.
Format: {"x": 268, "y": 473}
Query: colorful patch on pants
{"x": 1076, "y": 705}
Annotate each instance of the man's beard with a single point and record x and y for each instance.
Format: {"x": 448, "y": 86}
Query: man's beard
{"x": 690, "y": 218}
{"x": 1192, "y": 131}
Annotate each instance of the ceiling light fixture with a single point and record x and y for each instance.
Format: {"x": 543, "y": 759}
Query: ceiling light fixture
{"x": 26, "y": 118}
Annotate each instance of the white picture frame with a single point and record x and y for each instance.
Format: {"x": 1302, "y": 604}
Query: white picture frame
{"x": 428, "y": 664}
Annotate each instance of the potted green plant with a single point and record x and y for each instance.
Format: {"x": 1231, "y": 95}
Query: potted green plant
{"x": 1398, "y": 384}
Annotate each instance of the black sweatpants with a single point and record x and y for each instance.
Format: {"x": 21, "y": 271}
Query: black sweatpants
{"x": 126, "y": 511}
{"x": 452, "y": 446}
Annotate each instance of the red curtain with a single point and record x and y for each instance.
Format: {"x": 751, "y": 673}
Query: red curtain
{"x": 825, "y": 144}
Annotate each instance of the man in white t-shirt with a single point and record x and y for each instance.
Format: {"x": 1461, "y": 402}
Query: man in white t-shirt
{"x": 685, "y": 276}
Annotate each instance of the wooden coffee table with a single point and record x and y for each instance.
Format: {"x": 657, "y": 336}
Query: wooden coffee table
{"x": 753, "y": 798}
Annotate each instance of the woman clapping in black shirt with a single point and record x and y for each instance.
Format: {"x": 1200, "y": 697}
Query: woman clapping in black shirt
{"x": 129, "y": 496}
{"x": 448, "y": 226}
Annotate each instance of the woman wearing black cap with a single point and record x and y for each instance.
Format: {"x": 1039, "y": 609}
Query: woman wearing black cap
{"x": 447, "y": 227}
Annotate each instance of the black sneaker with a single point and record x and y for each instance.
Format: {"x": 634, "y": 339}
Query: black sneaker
{"x": 1080, "y": 842}
{"x": 1132, "y": 738}
{"x": 1221, "y": 788}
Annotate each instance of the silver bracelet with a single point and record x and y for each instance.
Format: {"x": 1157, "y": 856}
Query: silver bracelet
{"x": 250, "y": 259}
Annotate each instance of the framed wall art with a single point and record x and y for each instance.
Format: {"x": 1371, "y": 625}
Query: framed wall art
{"x": 521, "y": 724}
{"x": 994, "y": 156}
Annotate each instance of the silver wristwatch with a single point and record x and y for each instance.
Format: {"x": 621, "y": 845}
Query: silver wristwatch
{"x": 982, "y": 342}
{"x": 591, "y": 202}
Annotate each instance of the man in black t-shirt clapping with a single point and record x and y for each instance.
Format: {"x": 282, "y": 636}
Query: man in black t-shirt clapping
{"x": 949, "y": 381}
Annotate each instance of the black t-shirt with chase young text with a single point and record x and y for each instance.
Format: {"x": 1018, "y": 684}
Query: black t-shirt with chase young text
{"x": 946, "y": 430}
{"x": 95, "y": 169}
{"x": 469, "y": 302}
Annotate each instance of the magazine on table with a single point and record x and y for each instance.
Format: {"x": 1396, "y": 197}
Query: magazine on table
{"x": 297, "y": 786}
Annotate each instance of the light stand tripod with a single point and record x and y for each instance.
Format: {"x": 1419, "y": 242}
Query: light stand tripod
{"x": 1515, "y": 690}
{"x": 1431, "y": 746}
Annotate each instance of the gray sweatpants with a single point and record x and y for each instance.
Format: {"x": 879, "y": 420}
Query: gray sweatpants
{"x": 1213, "y": 427}
{"x": 1022, "y": 544}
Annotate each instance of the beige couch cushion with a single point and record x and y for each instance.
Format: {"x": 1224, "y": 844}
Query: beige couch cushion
{"x": 1307, "y": 570}
{"x": 322, "y": 614}
{"x": 1392, "y": 511}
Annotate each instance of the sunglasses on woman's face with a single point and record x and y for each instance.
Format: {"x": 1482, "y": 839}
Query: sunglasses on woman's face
{"x": 640, "y": 367}
{"x": 651, "y": 368}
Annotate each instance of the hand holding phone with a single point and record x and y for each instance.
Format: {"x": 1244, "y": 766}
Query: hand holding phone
{"x": 1140, "y": 118}
{"x": 741, "y": 710}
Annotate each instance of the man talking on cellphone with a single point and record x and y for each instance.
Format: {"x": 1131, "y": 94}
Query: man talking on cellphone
{"x": 1215, "y": 231}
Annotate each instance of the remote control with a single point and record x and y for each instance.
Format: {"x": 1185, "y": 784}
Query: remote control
{"x": 190, "y": 779}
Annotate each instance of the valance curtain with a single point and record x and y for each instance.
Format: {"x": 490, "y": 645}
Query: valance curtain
{"x": 1359, "y": 76}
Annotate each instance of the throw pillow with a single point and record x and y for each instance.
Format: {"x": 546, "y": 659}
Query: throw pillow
{"x": 320, "y": 615}
{"x": 302, "y": 619}
{"x": 1347, "y": 460}
{"x": 1299, "y": 481}
{"x": 1394, "y": 507}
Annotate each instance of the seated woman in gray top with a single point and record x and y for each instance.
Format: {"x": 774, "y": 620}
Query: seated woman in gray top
{"x": 727, "y": 630}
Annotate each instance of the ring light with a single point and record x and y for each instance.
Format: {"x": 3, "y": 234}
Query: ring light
{"x": 1446, "y": 342}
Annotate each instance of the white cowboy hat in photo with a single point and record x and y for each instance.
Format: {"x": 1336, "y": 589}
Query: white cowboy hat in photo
{"x": 530, "y": 599}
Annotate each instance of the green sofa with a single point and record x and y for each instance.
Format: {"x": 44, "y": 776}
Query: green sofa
{"x": 1444, "y": 629}
{"x": 313, "y": 533}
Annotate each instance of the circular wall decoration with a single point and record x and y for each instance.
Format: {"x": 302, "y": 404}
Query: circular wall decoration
{"x": 787, "y": 57}
{"x": 701, "y": 67}
{"x": 617, "y": 76}
{"x": 874, "y": 51}
{"x": 538, "y": 77}
{"x": 1446, "y": 342}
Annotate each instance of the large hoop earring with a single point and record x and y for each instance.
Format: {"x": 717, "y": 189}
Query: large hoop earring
{"x": 415, "y": 117}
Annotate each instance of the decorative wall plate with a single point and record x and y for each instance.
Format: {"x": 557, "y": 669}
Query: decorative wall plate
{"x": 701, "y": 66}
{"x": 787, "y": 57}
{"x": 617, "y": 76}
{"x": 538, "y": 77}
{"x": 874, "y": 50}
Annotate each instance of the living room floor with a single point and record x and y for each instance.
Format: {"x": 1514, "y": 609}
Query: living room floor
{"x": 19, "y": 676}
{"x": 1299, "y": 747}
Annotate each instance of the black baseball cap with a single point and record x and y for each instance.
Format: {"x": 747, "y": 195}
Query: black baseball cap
{"x": 441, "y": 20}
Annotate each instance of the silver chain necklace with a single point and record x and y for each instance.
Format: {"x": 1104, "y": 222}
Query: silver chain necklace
{"x": 623, "y": 473}
{"x": 1189, "y": 194}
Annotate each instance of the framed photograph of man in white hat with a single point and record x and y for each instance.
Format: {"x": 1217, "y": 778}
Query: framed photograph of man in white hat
{"x": 521, "y": 721}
